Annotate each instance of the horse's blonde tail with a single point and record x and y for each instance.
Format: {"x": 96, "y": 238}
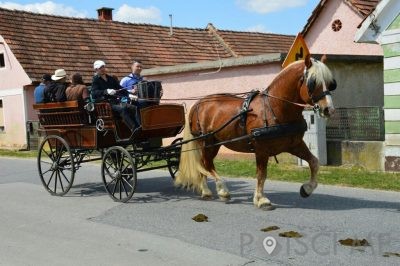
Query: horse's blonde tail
{"x": 191, "y": 168}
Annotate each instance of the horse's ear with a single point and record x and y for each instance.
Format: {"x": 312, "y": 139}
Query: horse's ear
{"x": 307, "y": 61}
{"x": 324, "y": 58}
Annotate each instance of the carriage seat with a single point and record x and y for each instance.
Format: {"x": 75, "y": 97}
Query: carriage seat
{"x": 61, "y": 114}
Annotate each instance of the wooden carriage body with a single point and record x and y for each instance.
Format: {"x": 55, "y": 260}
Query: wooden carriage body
{"x": 71, "y": 121}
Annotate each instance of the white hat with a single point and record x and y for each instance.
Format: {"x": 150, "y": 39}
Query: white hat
{"x": 98, "y": 64}
{"x": 59, "y": 74}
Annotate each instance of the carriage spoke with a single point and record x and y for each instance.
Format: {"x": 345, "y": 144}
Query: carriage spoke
{"x": 59, "y": 177}
{"x": 120, "y": 189}
{"x": 47, "y": 171}
{"x": 121, "y": 162}
{"x": 51, "y": 150}
{"x": 115, "y": 187}
{"x": 49, "y": 164}
{"x": 123, "y": 186}
{"x": 112, "y": 180}
{"x": 51, "y": 177}
{"x": 45, "y": 162}
{"x": 65, "y": 177}
{"x": 55, "y": 182}
{"x": 58, "y": 152}
{"x": 126, "y": 182}
{"x": 50, "y": 155}
{"x": 109, "y": 166}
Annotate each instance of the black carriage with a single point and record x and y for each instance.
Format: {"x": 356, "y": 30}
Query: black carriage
{"x": 75, "y": 133}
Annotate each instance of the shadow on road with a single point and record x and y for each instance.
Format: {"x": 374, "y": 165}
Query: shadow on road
{"x": 161, "y": 189}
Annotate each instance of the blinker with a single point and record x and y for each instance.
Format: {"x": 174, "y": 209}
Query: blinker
{"x": 332, "y": 86}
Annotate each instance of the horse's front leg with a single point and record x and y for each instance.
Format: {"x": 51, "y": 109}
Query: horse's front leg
{"x": 304, "y": 153}
{"x": 259, "y": 199}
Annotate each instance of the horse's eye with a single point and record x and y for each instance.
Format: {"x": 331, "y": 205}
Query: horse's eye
{"x": 332, "y": 86}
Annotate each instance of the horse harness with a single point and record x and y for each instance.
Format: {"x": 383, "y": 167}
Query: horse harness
{"x": 272, "y": 131}
{"x": 245, "y": 108}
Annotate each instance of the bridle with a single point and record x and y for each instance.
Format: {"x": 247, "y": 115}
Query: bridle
{"x": 311, "y": 86}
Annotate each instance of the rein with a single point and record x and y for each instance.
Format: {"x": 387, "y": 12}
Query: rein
{"x": 284, "y": 100}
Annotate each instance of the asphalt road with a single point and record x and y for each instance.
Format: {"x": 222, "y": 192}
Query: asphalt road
{"x": 86, "y": 227}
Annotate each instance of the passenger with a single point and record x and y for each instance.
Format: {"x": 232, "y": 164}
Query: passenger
{"x": 77, "y": 91}
{"x": 39, "y": 90}
{"x": 55, "y": 92}
{"x": 106, "y": 87}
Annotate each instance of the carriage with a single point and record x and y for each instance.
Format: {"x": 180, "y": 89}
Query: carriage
{"x": 265, "y": 123}
{"x": 75, "y": 133}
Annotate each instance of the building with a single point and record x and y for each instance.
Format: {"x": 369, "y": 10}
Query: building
{"x": 382, "y": 26}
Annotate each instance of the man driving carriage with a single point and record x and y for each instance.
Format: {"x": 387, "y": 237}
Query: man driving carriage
{"x": 107, "y": 88}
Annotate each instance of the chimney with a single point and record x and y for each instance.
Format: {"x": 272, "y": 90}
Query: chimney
{"x": 105, "y": 14}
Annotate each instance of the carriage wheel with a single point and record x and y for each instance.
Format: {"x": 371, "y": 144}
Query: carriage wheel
{"x": 173, "y": 161}
{"x": 119, "y": 174}
{"x": 56, "y": 165}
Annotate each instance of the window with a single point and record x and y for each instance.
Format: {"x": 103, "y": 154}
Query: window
{"x": 1, "y": 116}
{"x": 2, "y": 62}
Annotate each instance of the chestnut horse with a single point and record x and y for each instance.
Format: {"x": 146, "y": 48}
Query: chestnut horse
{"x": 302, "y": 83}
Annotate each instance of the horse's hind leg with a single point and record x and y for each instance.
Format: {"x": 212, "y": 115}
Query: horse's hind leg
{"x": 209, "y": 154}
{"x": 206, "y": 193}
{"x": 259, "y": 199}
{"x": 304, "y": 153}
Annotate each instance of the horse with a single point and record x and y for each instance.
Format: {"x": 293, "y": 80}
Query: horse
{"x": 217, "y": 119}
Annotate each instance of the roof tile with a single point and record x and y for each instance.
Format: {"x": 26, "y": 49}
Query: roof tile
{"x": 43, "y": 43}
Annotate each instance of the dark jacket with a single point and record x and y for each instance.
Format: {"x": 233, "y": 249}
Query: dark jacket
{"x": 55, "y": 92}
{"x": 100, "y": 86}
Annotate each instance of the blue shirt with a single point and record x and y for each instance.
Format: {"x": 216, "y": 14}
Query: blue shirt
{"x": 129, "y": 81}
{"x": 39, "y": 93}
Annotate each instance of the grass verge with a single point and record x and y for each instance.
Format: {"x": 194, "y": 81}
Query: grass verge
{"x": 18, "y": 154}
{"x": 350, "y": 176}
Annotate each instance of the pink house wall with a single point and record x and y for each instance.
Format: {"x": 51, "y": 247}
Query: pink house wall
{"x": 323, "y": 40}
{"x": 231, "y": 80}
{"x": 12, "y": 81}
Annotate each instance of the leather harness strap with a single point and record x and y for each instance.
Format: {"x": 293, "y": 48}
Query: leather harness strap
{"x": 245, "y": 107}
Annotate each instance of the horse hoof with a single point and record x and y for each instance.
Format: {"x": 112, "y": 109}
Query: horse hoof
{"x": 268, "y": 208}
{"x": 207, "y": 197}
{"x": 303, "y": 192}
{"x": 225, "y": 198}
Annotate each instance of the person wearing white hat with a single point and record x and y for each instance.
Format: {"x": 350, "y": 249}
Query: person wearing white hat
{"x": 107, "y": 88}
{"x": 55, "y": 92}
{"x": 98, "y": 64}
{"x": 59, "y": 74}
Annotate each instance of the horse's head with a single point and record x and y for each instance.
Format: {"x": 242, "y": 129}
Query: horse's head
{"x": 318, "y": 82}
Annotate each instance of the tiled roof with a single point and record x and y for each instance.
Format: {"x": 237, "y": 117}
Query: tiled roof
{"x": 363, "y": 7}
{"x": 253, "y": 43}
{"x": 43, "y": 43}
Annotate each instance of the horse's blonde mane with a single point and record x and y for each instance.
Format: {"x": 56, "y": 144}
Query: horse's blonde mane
{"x": 320, "y": 72}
